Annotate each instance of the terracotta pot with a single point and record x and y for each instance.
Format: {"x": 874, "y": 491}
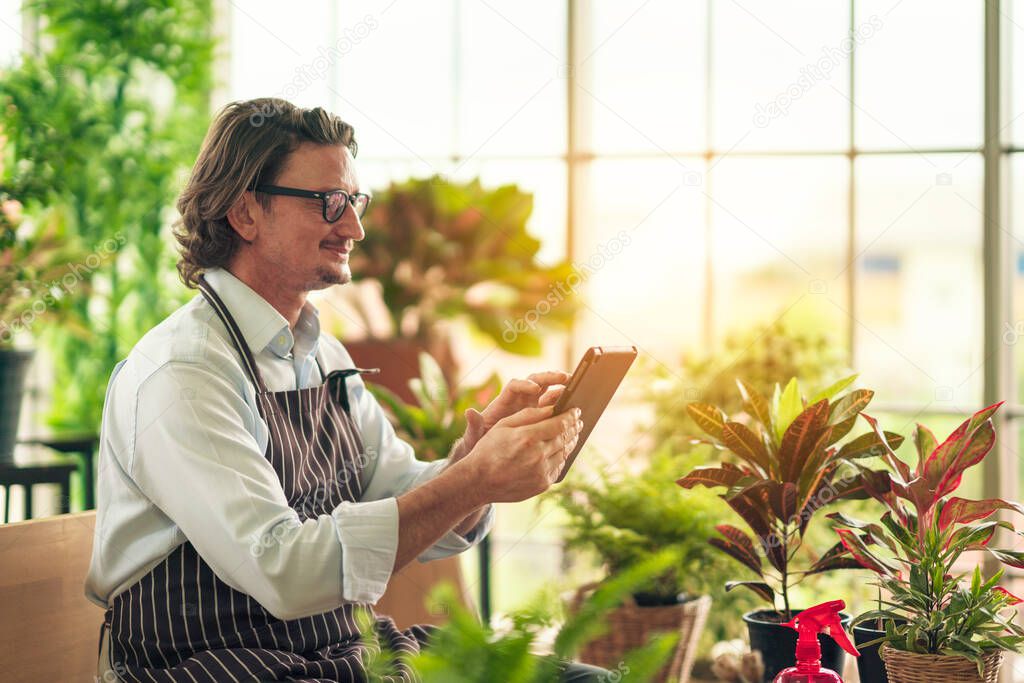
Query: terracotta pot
{"x": 398, "y": 360}
{"x": 405, "y": 598}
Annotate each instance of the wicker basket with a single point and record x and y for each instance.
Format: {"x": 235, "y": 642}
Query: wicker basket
{"x": 630, "y": 626}
{"x": 911, "y": 667}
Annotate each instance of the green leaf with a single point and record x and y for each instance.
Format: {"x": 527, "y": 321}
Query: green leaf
{"x": 789, "y": 407}
{"x": 711, "y": 477}
{"x": 868, "y": 445}
{"x": 963, "y": 511}
{"x": 849, "y": 406}
{"x": 737, "y": 545}
{"x": 708, "y": 417}
{"x": 747, "y": 445}
{"x": 830, "y": 391}
{"x": 804, "y": 436}
{"x": 644, "y": 663}
{"x": 756, "y": 404}
{"x": 1012, "y": 558}
{"x": 924, "y": 443}
{"x": 759, "y": 587}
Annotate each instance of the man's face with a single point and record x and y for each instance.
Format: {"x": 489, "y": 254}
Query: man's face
{"x": 294, "y": 243}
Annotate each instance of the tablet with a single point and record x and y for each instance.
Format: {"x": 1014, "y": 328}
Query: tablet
{"x": 591, "y": 388}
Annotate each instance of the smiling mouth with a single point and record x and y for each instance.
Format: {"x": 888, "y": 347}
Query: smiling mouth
{"x": 340, "y": 250}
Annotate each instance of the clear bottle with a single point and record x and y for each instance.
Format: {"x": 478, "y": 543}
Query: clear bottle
{"x": 823, "y": 618}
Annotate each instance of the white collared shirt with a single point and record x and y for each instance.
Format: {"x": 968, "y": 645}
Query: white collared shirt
{"x": 182, "y": 458}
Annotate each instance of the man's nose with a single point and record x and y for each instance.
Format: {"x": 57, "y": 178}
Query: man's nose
{"x": 350, "y": 225}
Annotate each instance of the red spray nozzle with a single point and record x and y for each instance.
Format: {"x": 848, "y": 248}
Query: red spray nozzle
{"x": 823, "y": 618}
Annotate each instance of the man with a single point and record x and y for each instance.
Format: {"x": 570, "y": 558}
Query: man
{"x": 251, "y": 492}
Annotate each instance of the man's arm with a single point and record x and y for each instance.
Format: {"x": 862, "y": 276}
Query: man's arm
{"x": 470, "y": 521}
{"x": 516, "y": 460}
{"x": 428, "y": 512}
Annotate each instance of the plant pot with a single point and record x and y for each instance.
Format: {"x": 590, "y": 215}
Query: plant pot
{"x": 777, "y": 643}
{"x": 398, "y": 360}
{"x": 407, "y": 591}
{"x": 405, "y": 599}
{"x": 630, "y": 626}
{"x": 869, "y": 664}
{"x": 911, "y": 667}
{"x": 13, "y": 370}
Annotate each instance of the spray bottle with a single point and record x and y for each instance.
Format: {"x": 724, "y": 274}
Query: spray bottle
{"x": 808, "y": 624}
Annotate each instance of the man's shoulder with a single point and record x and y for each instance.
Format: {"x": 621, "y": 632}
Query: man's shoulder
{"x": 192, "y": 334}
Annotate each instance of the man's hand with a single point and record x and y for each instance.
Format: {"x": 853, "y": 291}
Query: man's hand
{"x": 524, "y": 453}
{"x": 539, "y": 390}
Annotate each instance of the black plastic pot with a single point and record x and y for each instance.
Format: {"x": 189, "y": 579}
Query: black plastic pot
{"x": 869, "y": 664}
{"x": 777, "y": 643}
{"x": 13, "y": 369}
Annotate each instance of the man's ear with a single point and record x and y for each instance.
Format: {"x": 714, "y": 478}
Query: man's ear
{"x": 244, "y": 216}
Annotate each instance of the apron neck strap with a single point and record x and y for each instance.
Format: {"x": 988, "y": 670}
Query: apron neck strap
{"x": 234, "y": 332}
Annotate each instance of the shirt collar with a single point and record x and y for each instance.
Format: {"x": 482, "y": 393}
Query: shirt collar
{"x": 261, "y": 324}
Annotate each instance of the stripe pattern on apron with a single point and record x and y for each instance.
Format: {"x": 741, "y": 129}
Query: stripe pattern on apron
{"x": 181, "y": 623}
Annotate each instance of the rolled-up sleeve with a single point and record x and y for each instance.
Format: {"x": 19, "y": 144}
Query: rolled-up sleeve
{"x": 197, "y": 455}
{"x": 392, "y": 469}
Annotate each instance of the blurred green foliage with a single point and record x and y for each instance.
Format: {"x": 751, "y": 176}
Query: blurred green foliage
{"x": 624, "y": 518}
{"x": 103, "y": 123}
{"x": 467, "y": 651}
{"x": 761, "y": 356}
{"x": 438, "y": 418}
{"x": 442, "y": 250}
{"x": 621, "y": 517}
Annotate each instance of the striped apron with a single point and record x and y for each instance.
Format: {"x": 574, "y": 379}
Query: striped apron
{"x": 180, "y": 622}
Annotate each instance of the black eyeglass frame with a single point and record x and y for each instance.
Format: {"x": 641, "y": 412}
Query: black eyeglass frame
{"x": 322, "y": 196}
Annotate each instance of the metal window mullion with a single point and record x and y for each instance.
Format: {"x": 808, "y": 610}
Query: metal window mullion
{"x": 994, "y": 259}
{"x": 851, "y": 197}
{"x": 708, "y": 319}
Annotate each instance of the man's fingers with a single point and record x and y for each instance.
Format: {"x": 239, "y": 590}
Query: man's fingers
{"x": 560, "y": 447}
{"x": 524, "y": 386}
{"x": 549, "y": 377}
{"x": 556, "y": 424}
{"x": 551, "y": 397}
{"x": 527, "y": 416}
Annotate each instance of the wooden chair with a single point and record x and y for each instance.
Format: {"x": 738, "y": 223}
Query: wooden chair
{"x": 48, "y": 630}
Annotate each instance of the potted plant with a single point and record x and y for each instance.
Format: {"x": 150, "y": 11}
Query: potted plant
{"x": 431, "y": 425}
{"x": 623, "y": 518}
{"x": 33, "y": 261}
{"x": 762, "y": 355}
{"x": 786, "y": 465}
{"x": 530, "y": 644}
{"x": 438, "y": 252}
{"x": 941, "y": 623}
{"x": 86, "y": 125}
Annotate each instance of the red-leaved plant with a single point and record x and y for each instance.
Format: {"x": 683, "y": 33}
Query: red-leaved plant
{"x": 788, "y": 465}
{"x": 930, "y": 608}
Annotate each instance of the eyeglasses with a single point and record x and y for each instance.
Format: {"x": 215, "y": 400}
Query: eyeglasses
{"x": 334, "y": 202}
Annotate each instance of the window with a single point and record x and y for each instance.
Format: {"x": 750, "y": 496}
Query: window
{"x": 726, "y": 163}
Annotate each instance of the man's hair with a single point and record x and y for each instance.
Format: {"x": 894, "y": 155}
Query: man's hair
{"x": 248, "y": 144}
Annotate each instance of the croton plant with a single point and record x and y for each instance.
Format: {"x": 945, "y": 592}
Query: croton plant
{"x": 786, "y": 464}
{"x": 931, "y": 607}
